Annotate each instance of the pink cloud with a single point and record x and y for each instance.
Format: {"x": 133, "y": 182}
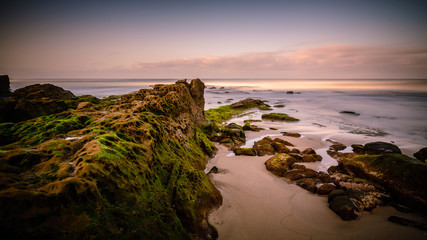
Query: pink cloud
{"x": 331, "y": 61}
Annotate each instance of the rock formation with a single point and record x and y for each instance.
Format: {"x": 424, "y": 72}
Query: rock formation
{"x": 128, "y": 168}
{"x": 4, "y": 86}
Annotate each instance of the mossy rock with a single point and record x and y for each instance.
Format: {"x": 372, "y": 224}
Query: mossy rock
{"x": 280, "y": 163}
{"x": 244, "y": 151}
{"x": 279, "y": 117}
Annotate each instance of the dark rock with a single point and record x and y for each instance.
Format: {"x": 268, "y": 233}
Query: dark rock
{"x": 291, "y": 134}
{"x": 244, "y": 151}
{"x": 336, "y": 146}
{"x": 324, "y": 177}
{"x": 343, "y": 207}
{"x": 279, "y": 163}
{"x": 38, "y": 91}
{"x": 296, "y": 174}
{"x": 214, "y": 170}
{"x": 335, "y": 193}
{"x": 407, "y": 222}
{"x": 358, "y": 149}
{"x": 421, "y": 154}
{"x": 311, "y": 158}
{"x": 280, "y": 147}
{"x": 284, "y": 142}
{"x": 34, "y": 101}
{"x": 264, "y": 147}
{"x": 308, "y": 184}
{"x": 290, "y": 92}
{"x": 325, "y": 189}
{"x": 375, "y": 148}
{"x": 295, "y": 150}
{"x": 350, "y": 113}
{"x": 309, "y": 151}
{"x": 404, "y": 177}
{"x": 4, "y": 86}
{"x": 247, "y": 103}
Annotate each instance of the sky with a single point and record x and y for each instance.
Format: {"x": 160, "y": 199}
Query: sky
{"x": 214, "y": 39}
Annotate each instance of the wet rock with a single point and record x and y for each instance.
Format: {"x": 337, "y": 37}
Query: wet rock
{"x": 279, "y": 117}
{"x": 325, "y": 189}
{"x": 296, "y": 174}
{"x": 264, "y": 147}
{"x": 407, "y": 222}
{"x": 421, "y": 154}
{"x": 308, "y": 151}
{"x": 311, "y": 158}
{"x": 291, "y": 134}
{"x": 343, "y": 207}
{"x": 324, "y": 177}
{"x": 336, "y": 146}
{"x": 374, "y": 148}
{"x": 250, "y": 127}
{"x": 350, "y": 113}
{"x": 358, "y": 148}
{"x": 335, "y": 193}
{"x": 213, "y": 170}
{"x": 308, "y": 184}
{"x": 247, "y": 103}
{"x": 280, "y": 163}
{"x": 284, "y": 142}
{"x": 401, "y": 175}
{"x": 280, "y": 147}
{"x": 244, "y": 151}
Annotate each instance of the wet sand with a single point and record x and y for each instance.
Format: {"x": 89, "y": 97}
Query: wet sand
{"x": 259, "y": 205}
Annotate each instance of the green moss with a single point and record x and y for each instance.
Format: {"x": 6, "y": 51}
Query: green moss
{"x": 279, "y": 106}
{"x": 265, "y": 107}
{"x": 224, "y": 113}
{"x": 34, "y": 132}
{"x": 279, "y": 116}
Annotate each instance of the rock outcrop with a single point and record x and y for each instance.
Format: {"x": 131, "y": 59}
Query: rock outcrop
{"x": 129, "y": 168}
{"x": 34, "y": 101}
{"x": 4, "y": 86}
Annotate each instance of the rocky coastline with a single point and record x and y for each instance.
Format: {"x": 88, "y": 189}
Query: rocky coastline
{"x": 124, "y": 167}
{"x": 372, "y": 175}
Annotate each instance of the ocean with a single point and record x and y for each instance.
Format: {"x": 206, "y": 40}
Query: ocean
{"x": 377, "y": 110}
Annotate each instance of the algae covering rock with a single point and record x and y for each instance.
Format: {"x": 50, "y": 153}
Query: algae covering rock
{"x": 280, "y": 163}
{"x": 279, "y": 117}
{"x": 123, "y": 169}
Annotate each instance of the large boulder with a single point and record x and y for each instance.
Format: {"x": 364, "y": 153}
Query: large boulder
{"x": 405, "y": 178}
{"x": 280, "y": 163}
{"x": 4, "y": 86}
{"x": 38, "y": 91}
{"x": 34, "y": 101}
{"x": 375, "y": 148}
{"x": 343, "y": 207}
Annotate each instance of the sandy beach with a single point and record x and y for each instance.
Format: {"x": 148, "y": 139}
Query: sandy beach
{"x": 260, "y": 205}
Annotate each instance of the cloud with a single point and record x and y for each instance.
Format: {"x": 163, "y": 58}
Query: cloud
{"x": 330, "y": 61}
